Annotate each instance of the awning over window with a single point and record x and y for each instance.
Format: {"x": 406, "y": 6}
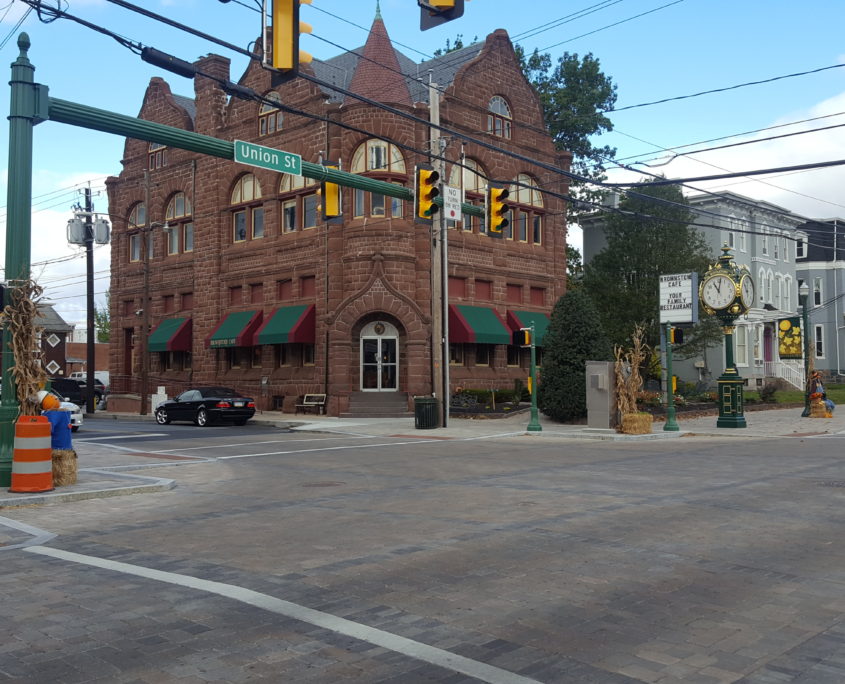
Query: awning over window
{"x": 236, "y": 329}
{"x": 172, "y": 334}
{"x": 524, "y": 319}
{"x": 289, "y": 324}
{"x": 477, "y": 324}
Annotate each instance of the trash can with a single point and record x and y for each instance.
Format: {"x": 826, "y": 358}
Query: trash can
{"x": 426, "y": 413}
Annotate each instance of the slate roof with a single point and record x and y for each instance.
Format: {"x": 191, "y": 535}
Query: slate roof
{"x": 50, "y": 320}
{"x": 188, "y": 104}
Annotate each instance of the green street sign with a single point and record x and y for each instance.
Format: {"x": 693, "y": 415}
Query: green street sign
{"x": 267, "y": 158}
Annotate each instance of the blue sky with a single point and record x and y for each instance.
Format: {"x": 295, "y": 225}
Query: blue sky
{"x": 675, "y": 48}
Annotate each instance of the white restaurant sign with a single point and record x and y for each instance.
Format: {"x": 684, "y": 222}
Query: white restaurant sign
{"x": 679, "y": 298}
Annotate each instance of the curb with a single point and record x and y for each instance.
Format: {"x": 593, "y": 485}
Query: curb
{"x": 152, "y": 484}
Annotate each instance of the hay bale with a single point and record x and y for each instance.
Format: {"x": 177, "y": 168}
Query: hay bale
{"x": 636, "y": 423}
{"x": 64, "y": 467}
{"x": 819, "y": 410}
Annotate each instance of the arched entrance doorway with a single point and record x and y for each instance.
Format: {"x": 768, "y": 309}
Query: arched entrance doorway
{"x": 379, "y": 358}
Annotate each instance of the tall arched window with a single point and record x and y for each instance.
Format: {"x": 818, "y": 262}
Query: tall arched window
{"x": 136, "y": 223}
{"x": 270, "y": 118}
{"x": 499, "y": 119}
{"x": 298, "y": 202}
{"x": 247, "y": 209}
{"x": 471, "y": 179}
{"x": 526, "y": 216}
{"x": 180, "y": 232}
{"x": 384, "y": 161}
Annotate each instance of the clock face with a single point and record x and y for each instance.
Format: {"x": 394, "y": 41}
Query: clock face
{"x": 747, "y": 292}
{"x": 718, "y": 292}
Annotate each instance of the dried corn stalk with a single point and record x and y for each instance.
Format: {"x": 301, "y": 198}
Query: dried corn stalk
{"x": 28, "y": 369}
{"x": 629, "y": 382}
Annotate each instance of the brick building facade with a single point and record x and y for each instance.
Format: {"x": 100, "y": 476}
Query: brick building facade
{"x": 249, "y": 288}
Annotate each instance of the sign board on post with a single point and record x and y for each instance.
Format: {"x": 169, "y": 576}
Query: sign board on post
{"x": 452, "y": 203}
{"x": 679, "y": 298}
{"x": 268, "y": 158}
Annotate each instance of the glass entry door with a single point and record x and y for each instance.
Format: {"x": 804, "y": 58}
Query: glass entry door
{"x": 379, "y": 359}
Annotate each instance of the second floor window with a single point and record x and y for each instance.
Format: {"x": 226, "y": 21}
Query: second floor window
{"x": 248, "y": 211}
{"x": 137, "y": 223}
{"x": 526, "y": 215}
{"x": 470, "y": 178}
{"x": 384, "y": 161}
{"x": 298, "y": 202}
{"x": 180, "y": 233}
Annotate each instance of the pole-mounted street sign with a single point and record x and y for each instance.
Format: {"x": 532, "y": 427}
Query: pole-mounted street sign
{"x": 268, "y": 158}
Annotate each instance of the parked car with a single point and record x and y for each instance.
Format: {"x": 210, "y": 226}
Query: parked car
{"x": 74, "y": 391}
{"x": 206, "y": 405}
{"x": 101, "y": 378}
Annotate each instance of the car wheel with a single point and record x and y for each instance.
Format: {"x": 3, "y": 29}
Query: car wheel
{"x": 202, "y": 418}
{"x": 161, "y": 417}
{"x": 242, "y": 421}
{"x": 74, "y": 428}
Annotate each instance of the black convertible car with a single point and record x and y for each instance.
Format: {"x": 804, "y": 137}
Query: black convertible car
{"x": 206, "y": 405}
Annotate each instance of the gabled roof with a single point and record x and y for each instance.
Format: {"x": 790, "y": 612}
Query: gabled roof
{"x": 50, "y": 320}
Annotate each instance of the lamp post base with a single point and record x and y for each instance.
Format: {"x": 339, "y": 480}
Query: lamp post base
{"x": 731, "y": 405}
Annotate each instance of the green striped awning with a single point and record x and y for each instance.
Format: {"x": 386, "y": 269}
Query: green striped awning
{"x": 171, "y": 334}
{"x": 236, "y": 329}
{"x": 524, "y": 319}
{"x": 477, "y": 324}
{"x": 289, "y": 324}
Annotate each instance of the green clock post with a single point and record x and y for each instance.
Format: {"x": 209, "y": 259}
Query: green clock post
{"x": 727, "y": 292}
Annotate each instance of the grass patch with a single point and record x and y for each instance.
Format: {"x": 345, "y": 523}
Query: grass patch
{"x": 834, "y": 392}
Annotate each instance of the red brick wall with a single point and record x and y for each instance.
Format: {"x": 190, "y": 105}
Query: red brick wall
{"x": 363, "y": 270}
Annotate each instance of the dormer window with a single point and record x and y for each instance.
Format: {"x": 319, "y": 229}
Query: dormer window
{"x": 499, "y": 119}
{"x": 270, "y": 117}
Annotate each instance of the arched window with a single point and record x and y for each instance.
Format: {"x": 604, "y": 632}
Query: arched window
{"x": 299, "y": 201}
{"x": 526, "y": 215}
{"x": 471, "y": 179}
{"x": 180, "y": 227}
{"x": 384, "y": 161}
{"x": 777, "y": 293}
{"x": 761, "y": 279}
{"x": 248, "y": 211}
{"x": 270, "y": 118}
{"x": 136, "y": 223}
{"x": 499, "y": 119}
{"x": 157, "y": 156}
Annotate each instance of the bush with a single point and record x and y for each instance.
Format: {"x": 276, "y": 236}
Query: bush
{"x": 767, "y": 392}
{"x": 573, "y": 337}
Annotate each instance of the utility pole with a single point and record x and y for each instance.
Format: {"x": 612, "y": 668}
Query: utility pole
{"x": 438, "y": 292}
{"x": 89, "y": 263}
{"x": 145, "y": 299}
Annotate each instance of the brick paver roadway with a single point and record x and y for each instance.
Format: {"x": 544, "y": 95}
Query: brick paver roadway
{"x": 332, "y": 559}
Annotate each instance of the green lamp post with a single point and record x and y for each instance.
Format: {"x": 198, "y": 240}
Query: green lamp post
{"x": 727, "y": 292}
{"x": 803, "y": 298}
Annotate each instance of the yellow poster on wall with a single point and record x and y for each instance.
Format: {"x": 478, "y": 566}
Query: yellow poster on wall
{"x": 789, "y": 338}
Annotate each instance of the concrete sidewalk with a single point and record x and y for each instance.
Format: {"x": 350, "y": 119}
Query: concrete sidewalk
{"x": 101, "y": 476}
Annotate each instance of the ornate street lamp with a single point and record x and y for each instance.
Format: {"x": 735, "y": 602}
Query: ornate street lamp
{"x": 803, "y": 296}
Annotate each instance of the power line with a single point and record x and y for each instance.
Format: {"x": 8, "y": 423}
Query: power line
{"x": 727, "y": 88}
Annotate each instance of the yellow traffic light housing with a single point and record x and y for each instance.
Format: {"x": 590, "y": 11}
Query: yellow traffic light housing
{"x": 425, "y": 190}
{"x": 436, "y": 12}
{"x": 286, "y": 55}
{"x": 330, "y": 198}
{"x": 496, "y": 210}
{"x": 522, "y": 337}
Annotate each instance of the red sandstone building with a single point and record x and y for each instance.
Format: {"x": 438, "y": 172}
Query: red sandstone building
{"x": 249, "y": 288}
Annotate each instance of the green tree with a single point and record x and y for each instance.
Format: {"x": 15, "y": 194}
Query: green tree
{"x": 102, "y": 320}
{"x": 573, "y": 337}
{"x": 574, "y": 93}
{"x": 574, "y": 268}
{"x": 645, "y": 239}
{"x": 451, "y": 47}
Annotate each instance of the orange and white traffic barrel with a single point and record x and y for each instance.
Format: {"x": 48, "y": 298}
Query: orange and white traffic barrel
{"x": 32, "y": 460}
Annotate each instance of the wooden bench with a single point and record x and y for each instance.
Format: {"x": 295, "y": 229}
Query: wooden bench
{"x": 317, "y": 402}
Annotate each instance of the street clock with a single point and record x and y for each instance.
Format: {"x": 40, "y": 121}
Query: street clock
{"x": 727, "y": 292}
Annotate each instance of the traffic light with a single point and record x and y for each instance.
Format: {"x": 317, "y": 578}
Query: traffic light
{"x": 676, "y": 335}
{"x": 329, "y": 193}
{"x": 436, "y": 12}
{"x": 522, "y": 337}
{"x": 496, "y": 210}
{"x": 286, "y": 55}
{"x": 425, "y": 190}
{"x": 530, "y": 385}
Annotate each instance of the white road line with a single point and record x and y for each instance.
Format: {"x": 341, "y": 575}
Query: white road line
{"x": 138, "y": 436}
{"x": 334, "y": 448}
{"x": 41, "y": 536}
{"x": 333, "y": 623}
{"x": 270, "y": 441}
